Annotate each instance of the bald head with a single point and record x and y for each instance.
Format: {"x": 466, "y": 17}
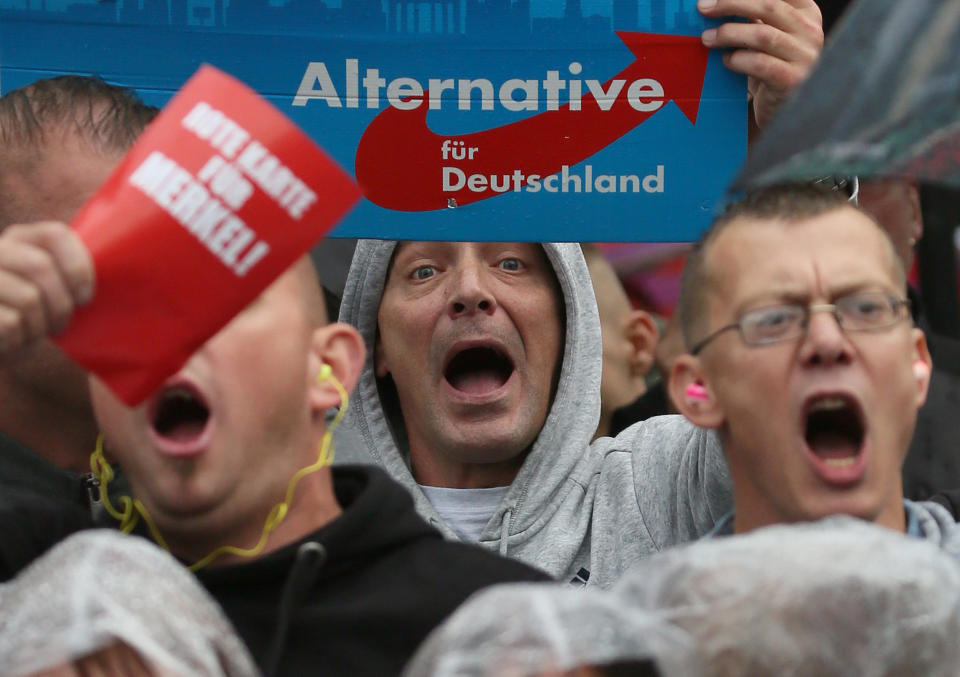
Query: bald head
{"x": 629, "y": 337}
{"x": 612, "y": 300}
{"x": 310, "y": 290}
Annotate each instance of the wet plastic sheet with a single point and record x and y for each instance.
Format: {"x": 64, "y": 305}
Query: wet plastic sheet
{"x": 883, "y": 101}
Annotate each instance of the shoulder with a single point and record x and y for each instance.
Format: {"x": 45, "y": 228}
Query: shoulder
{"x": 479, "y": 566}
{"x": 435, "y": 577}
{"x": 661, "y": 441}
{"x": 670, "y": 429}
{"x": 31, "y": 524}
{"x": 936, "y": 524}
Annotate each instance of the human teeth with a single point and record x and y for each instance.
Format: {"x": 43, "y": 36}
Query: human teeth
{"x": 839, "y": 462}
{"x": 828, "y": 404}
{"x": 180, "y": 394}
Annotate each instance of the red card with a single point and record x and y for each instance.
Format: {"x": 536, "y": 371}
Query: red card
{"x": 218, "y": 197}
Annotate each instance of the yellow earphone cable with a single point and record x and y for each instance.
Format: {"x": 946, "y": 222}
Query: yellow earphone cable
{"x": 133, "y": 508}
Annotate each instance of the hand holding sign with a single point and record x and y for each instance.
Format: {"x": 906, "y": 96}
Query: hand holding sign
{"x": 218, "y": 197}
{"x": 45, "y": 275}
{"x": 776, "y": 49}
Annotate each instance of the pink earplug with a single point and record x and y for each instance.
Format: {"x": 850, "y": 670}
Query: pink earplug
{"x": 920, "y": 369}
{"x": 696, "y": 391}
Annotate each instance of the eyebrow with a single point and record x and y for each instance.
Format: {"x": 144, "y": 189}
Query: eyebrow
{"x": 786, "y": 295}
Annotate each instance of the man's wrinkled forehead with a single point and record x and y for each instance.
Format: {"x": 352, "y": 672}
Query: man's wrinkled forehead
{"x": 52, "y": 181}
{"x": 865, "y": 239}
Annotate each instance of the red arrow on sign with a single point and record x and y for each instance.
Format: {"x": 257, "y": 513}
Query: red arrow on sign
{"x": 399, "y": 163}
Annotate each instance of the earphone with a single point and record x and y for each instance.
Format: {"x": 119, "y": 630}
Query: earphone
{"x": 696, "y": 391}
{"x": 133, "y": 509}
{"x": 920, "y": 369}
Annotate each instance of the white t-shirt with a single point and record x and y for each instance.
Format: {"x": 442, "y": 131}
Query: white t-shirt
{"x": 466, "y": 511}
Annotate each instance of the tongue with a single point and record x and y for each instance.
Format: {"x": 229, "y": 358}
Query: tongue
{"x": 832, "y": 445}
{"x": 477, "y": 382}
{"x": 186, "y": 431}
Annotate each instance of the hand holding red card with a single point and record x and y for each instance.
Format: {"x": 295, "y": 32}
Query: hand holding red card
{"x": 217, "y": 198}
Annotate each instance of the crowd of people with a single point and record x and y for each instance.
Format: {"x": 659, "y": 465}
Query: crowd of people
{"x": 754, "y": 519}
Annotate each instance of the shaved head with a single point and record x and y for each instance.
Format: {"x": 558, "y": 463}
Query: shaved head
{"x": 308, "y": 280}
{"x": 66, "y": 123}
{"x": 784, "y": 205}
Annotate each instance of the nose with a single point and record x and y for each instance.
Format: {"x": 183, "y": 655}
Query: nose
{"x": 471, "y": 293}
{"x": 825, "y": 343}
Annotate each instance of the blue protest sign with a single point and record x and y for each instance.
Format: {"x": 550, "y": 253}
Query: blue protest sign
{"x": 532, "y": 120}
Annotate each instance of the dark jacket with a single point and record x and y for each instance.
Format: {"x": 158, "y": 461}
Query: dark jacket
{"x": 933, "y": 462}
{"x": 40, "y": 504}
{"x": 652, "y": 403}
{"x": 21, "y": 468}
{"x": 357, "y": 596}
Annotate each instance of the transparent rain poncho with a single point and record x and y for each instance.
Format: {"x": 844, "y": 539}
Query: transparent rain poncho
{"x": 101, "y": 587}
{"x": 523, "y": 629}
{"x": 838, "y": 597}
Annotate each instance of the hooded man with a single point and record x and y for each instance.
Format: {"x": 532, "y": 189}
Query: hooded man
{"x": 481, "y": 393}
{"x": 481, "y": 390}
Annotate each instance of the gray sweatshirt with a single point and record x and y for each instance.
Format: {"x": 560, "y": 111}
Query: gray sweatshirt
{"x": 582, "y": 512}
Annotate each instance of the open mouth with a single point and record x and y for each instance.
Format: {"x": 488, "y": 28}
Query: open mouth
{"x": 180, "y": 414}
{"x": 479, "y": 370}
{"x": 834, "y": 430}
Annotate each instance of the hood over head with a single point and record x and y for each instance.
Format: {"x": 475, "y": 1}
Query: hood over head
{"x": 565, "y": 437}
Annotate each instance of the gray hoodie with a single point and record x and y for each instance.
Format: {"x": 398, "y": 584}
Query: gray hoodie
{"x": 582, "y": 512}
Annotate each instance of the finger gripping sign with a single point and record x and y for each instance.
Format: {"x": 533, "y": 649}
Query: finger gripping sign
{"x": 218, "y": 197}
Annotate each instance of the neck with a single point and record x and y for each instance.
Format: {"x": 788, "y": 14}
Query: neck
{"x": 62, "y": 432}
{"x": 314, "y": 505}
{"x": 603, "y": 427}
{"x": 246, "y": 520}
{"x": 434, "y": 471}
{"x": 752, "y": 514}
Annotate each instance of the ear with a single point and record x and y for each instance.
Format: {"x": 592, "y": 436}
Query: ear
{"x": 340, "y": 347}
{"x": 642, "y": 332}
{"x": 922, "y": 365}
{"x": 692, "y": 394}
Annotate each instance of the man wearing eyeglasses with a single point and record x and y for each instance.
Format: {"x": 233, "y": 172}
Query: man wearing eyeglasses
{"x": 805, "y": 360}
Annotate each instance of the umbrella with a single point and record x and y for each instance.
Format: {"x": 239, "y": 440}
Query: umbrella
{"x": 884, "y": 100}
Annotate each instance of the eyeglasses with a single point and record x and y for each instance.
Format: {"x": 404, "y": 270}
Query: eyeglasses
{"x": 860, "y": 311}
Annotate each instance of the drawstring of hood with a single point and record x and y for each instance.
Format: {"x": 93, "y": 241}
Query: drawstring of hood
{"x": 505, "y": 530}
{"x": 311, "y": 556}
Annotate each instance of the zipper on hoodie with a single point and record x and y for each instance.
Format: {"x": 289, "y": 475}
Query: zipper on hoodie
{"x": 311, "y": 556}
